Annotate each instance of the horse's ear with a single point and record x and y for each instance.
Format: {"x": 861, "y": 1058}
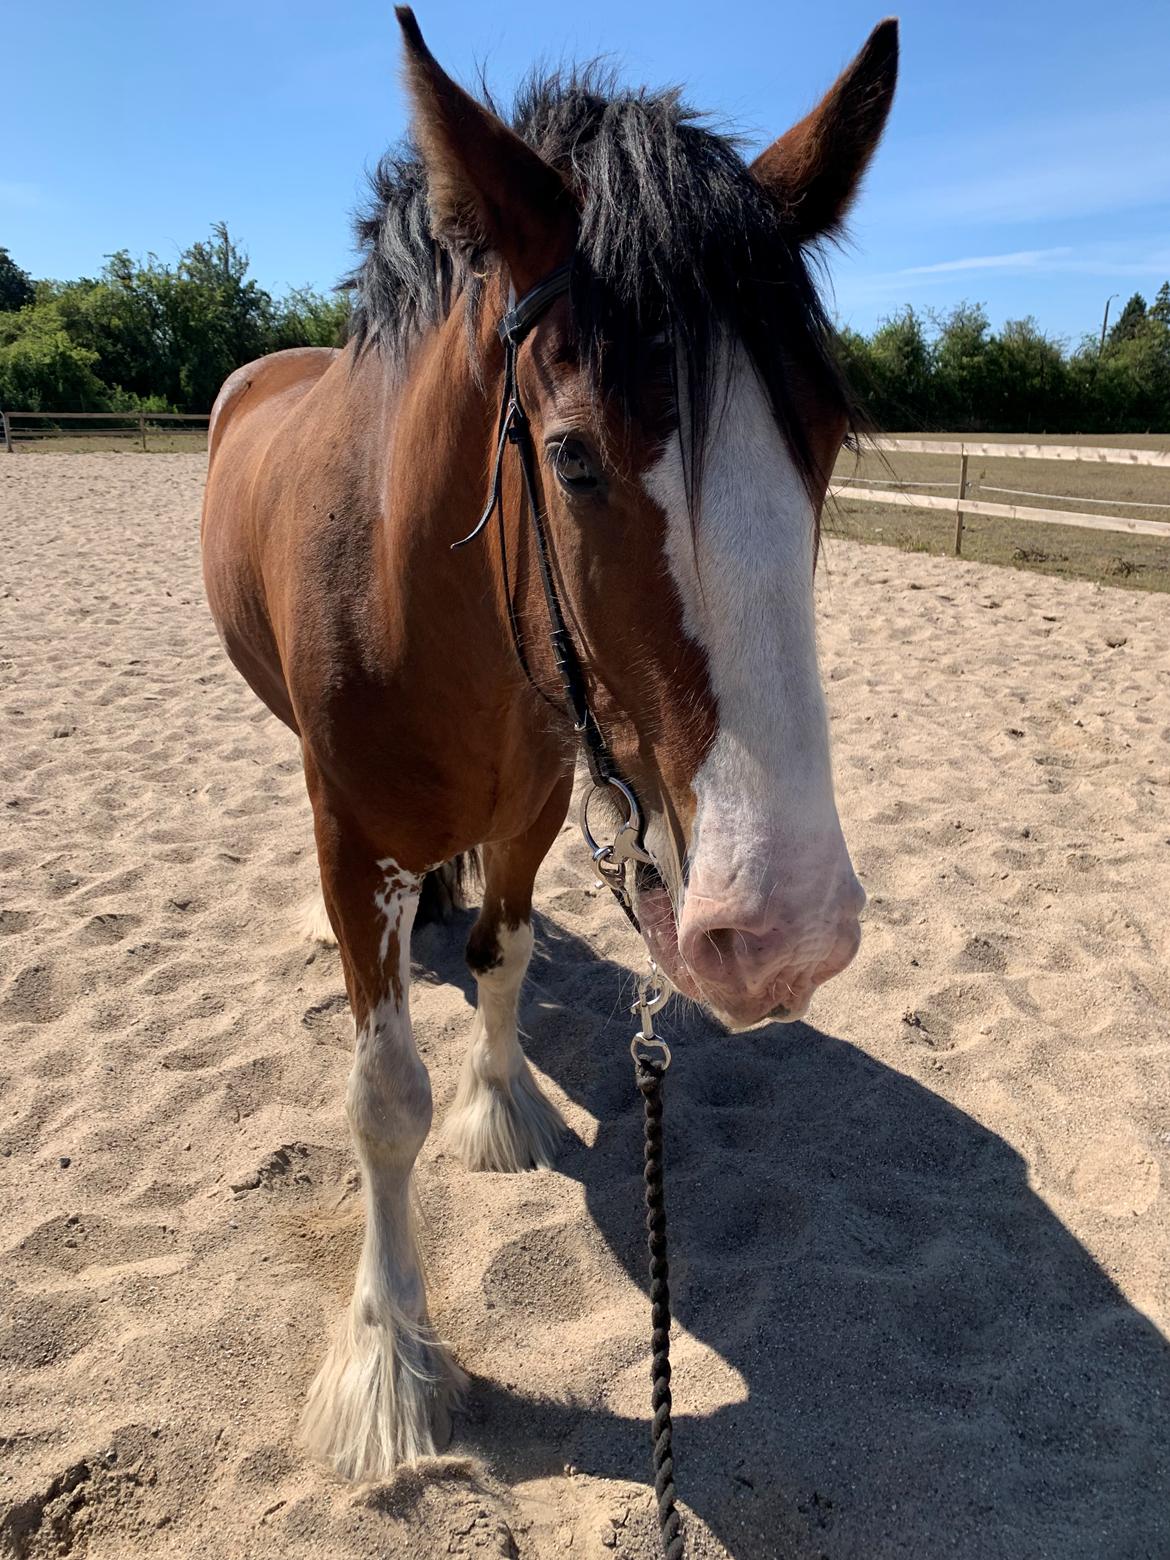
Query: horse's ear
{"x": 815, "y": 169}
{"x": 487, "y": 189}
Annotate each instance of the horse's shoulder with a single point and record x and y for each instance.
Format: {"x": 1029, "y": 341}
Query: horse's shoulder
{"x": 259, "y": 382}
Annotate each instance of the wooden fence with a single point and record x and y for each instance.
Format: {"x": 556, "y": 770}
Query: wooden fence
{"x": 962, "y": 505}
{"x": 59, "y": 424}
{"x": 63, "y": 424}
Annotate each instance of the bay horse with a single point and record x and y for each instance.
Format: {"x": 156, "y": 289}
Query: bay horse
{"x": 667, "y": 374}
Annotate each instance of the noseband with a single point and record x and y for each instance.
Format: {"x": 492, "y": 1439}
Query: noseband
{"x": 514, "y": 428}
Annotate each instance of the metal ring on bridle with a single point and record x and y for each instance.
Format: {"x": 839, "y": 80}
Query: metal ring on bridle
{"x": 627, "y": 842}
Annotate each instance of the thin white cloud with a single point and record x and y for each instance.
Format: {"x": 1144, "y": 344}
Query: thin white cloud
{"x": 1109, "y": 262}
{"x": 1017, "y": 260}
{"x": 1105, "y": 260}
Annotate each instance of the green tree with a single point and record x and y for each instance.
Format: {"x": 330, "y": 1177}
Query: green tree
{"x": 306, "y": 318}
{"x": 118, "y": 316}
{"x": 963, "y": 368}
{"x": 1129, "y": 321}
{"x": 892, "y": 372}
{"x": 176, "y": 332}
{"x": 16, "y": 287}
{"x": 42, "y": 369}
{"x": 1028, "y": 386}
{"x": 216, "y": 316}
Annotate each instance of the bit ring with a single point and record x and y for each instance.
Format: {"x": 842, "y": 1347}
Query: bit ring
{"x": 626, "y": 845}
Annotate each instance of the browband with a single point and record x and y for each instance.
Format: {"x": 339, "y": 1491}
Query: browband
{"x": 520, "y": 319}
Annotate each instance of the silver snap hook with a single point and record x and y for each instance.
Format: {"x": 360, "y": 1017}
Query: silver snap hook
{"x": 644, "y": 1047}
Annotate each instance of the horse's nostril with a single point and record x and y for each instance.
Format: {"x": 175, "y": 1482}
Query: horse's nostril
{"x": 722, "y": 941}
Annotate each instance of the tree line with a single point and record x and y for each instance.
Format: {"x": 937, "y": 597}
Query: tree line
{"x": 952, "y": 371}
{"x": 147, "y": 336}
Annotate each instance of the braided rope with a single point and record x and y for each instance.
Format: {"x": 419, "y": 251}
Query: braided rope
{"x": 649, "y": 1080}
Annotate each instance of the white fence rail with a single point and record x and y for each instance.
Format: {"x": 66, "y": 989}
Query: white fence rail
{"x": 1098, "y": 452}
{"x": 59, "y": 425}
{"x": 961, "y": 505}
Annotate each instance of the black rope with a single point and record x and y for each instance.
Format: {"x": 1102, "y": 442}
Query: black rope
{"x": 649, "y": 1076}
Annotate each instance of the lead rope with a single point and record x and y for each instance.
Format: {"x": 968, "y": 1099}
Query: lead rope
{"x": 651, "y": 1054}
{"x": 649, "y": 1071}
{"x": 649, "y": 1080}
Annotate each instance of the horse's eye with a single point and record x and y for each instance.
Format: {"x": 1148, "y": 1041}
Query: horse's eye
{"x": 574, "y": 468}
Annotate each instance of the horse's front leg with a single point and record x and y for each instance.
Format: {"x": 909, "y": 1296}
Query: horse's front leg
{"x": 500, "y": 1119}
{"x": 383, "y": 1395}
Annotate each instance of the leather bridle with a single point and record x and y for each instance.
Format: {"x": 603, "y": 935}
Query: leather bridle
{"x": 628, "y": 845}
{"x": 650, "y": 1051}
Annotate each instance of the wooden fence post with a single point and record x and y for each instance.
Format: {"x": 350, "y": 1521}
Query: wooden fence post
{"x": 142, "y": 430}
{"x": 7, "y": 432}
{"x": 962, "y": 496}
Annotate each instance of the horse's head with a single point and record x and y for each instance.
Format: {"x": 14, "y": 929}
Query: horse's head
{"x": 687, "y": 414}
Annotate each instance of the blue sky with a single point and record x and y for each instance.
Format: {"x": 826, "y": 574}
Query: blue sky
{"x": 1027, "y": 162}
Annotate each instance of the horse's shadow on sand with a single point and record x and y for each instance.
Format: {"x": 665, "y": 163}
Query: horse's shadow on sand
{"x": 934, "y": 1366}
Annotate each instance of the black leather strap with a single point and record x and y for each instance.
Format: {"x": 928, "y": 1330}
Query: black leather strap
{"x": 524, "y": 314}
{"x": 514, "y": 428}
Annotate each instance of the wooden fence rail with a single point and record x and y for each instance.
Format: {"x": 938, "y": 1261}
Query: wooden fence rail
{"x": 1105, "y": 453}
{"x": 126, "y": 422}
{"x": 961, "y": 505}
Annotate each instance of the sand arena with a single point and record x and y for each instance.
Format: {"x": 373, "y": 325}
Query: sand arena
{"x": 919, "y": 1244}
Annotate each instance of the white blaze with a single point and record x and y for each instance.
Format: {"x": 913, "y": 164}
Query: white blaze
{"x": 744, "y": 579}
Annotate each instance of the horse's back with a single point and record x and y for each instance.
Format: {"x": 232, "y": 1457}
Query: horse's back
{"x": 254, "y": 406}
{"x": 271, "y": 385}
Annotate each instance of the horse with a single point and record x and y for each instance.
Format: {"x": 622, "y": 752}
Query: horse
{"x": 652, "y": 428}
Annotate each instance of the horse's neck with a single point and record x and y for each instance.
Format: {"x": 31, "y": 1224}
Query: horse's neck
{"x": 439, "y": 418}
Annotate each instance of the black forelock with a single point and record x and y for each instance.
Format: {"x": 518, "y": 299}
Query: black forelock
{"x": 675, "y": 234}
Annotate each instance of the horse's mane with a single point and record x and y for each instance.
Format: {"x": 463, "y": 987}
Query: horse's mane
{"x": 675, "y": 234}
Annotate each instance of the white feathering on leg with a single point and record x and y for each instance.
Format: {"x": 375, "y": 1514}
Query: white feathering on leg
{"x": 500, "y": 1119}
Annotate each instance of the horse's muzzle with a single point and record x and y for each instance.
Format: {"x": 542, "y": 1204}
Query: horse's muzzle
{"x": 748, "y": 962}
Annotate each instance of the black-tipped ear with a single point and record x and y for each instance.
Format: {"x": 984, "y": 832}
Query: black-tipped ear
{"x": 488, "y": 190}
{"x": 816, "y": 168}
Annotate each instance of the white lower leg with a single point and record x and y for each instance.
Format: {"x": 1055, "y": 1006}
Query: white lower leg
{"x": 500, "y": 1119}
{"x": 384, "y": 1393}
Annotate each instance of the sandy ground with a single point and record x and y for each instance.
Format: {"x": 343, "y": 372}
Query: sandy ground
{"x": 920, "y": 1253}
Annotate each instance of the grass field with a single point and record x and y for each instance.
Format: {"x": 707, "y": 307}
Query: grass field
{"x": 1110, "y": 557}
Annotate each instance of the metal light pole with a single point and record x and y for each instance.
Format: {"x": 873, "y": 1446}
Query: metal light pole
{"x": 1105, "y": 321}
